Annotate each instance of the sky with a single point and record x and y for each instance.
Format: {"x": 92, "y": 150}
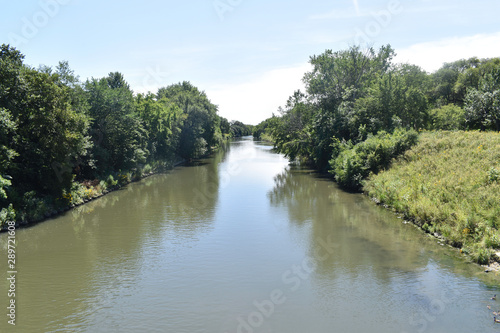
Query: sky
{"x": 247, "y": 55}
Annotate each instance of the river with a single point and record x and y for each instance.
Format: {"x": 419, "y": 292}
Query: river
{"x": 240, "y": 242}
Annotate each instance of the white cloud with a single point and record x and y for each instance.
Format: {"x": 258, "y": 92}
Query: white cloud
{"x": 431, "y": 55}
{"x": 256, "y": 100}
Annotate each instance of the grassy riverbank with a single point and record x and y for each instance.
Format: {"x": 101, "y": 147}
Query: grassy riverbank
{"x": 37, "y": 208}
{"x": 448, "y": 184}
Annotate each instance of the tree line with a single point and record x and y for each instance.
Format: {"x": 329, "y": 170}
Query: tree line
{"x": 57, "y": 132}
{"x": 356, "y": 94}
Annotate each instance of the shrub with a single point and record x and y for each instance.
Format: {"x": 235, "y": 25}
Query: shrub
{"x": 34, "y": 208}
{"x": 353, "y": 165}
{"x": 493, "y": 175}
{"x": 110, "y": 181}
{"x": 448, "y": 117}
{"x": 102, "y": 186}
{"x": 147, "y": 169}
{"x": 7, "y": 215}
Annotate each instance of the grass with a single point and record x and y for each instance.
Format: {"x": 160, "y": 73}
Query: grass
{"x": 449, "y": 184}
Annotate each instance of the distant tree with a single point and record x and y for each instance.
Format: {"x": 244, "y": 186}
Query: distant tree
{"x": 201, "y": 128}
{"x": 225, "y": 126}
{"x": 292, "y": 131}
{"x": 162, "y": 120}
{"x": 263, "y": 129}
{"x": 238, "y": 129}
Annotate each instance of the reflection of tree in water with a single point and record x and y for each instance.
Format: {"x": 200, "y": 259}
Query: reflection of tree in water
{"x": 182, "y": 202}
{"x": 365, "y": 236}
{"x": 293, "y": 191}
{"x": 373, "y": 252}
{"x": 97, "y": 248}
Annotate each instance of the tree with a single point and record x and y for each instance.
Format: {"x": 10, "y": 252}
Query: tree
{"x": 263, "y": 130}
{"x": 238, "y": 129}
{"x": 482, "y": 106}
{"x": 201, "y": 128}
{"x": 353, "y": 69}
{"x": 7, "y": 153}
{"x": 117, "y": 133}
{"x": 192, "y": 142}
{"x": 48, "y": 136}
{"x": 225, "y": 127}
{"x": 162, "y": 120}
{"x": 292, "y": 131}
{"x": 337, "y": 80}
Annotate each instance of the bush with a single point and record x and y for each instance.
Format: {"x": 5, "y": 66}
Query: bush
{"x": 7, "y": 215}
{"x": 448, "y": 117}
{"x": 34, "y": 208}
{"x": 493, "y": 175}
{"x": 353, "y": 165}
{"x": 110, "y": 181}
{"x": 147, "y": 169}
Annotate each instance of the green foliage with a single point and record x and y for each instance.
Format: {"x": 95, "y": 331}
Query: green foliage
{"x": 8, "y": 128}
{"x": 449, "y": 180}
{"x": 33, "y": 207}
{"x": 337, "y": 81}
{"x": 201, "y": 129}
{"x": 354, "y": 93}
{"x": 4, "y": 183}
{"x": 292, "y": 131}
{"x": 7, "y": 214}
{"x": 118, "y": 136}
{"x": 263, "y": 130}
{"x": 57, "y": 133}
{"x": 482, "y": 106}
{"x": 350, "y": 94}
{"x": 110, "y": 181}
{"x": 493, "y": 175}
{"x": 447, "y": 117}
{"x": 352, "y": 165}
{"x": 398, "y": 98}
{"x": 162, "y": 120}
{"x": 225, "y": 127}
{"x": 238, "y": 129}
{"x": 147, "y": 169}
{"x": 48, "y": 135}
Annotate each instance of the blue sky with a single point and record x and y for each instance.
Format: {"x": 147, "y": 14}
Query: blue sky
{"x": 247, "y": 55}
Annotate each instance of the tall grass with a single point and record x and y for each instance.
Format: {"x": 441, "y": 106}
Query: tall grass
{"x": 448, "y": 184}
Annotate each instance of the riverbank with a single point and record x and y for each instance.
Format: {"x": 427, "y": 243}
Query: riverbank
{"x": 86, "y": 191}
{"x": 449, "y": 186}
